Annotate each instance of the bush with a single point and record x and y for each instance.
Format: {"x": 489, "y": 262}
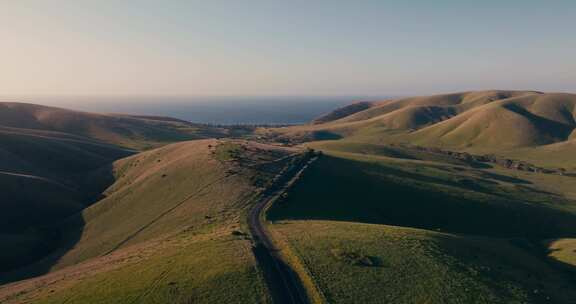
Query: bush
{"x": 355, "y": 258}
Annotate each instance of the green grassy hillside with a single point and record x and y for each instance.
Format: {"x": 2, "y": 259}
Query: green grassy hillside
{"x": 55, "y": 162}
{"x": 554, "y": 155}
{"x": 186, "y": 268}
{"x": 483, "y": 233}
{"x": 452, "y": 198}
{"x": 366, "y": 263}
{"x": 178, "y": 212}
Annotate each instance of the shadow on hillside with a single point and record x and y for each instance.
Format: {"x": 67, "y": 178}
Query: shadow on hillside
{"x": 515, "y": 261}
{"x": 54, "y": 239}
{"x": 346, "y": 190}
{"x": 552, "y": 128}
{"x": 325, "y": 135}
{"x": 504, "y": 178}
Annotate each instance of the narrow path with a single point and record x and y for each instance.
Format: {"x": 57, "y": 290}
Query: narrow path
{"x": 282, "y": 281}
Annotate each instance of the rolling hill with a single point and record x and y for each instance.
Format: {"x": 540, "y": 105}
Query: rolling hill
{"x": 134, "y": 132}
{"x": 485, "y": 121}
{"x": 366, "y": 263}
{"x": 56, "y": 162}
{"x": 170, "y": 211}
{"x": 388, "y": 212}
{"x": 372, "y": 225}
{"x": 384, "y": 217}
{"x": 45, "y": 177}
{"x": 525, "y": 121}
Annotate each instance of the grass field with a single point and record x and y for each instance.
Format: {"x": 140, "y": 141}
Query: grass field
{"x": 178, "y": 212}
{"x": 483, "y": 232}
{"x": 368, "y": 222}
{"x": 208, "y": 268}
{"x": 371, "y": 189}
{"x": 366, "y": 263}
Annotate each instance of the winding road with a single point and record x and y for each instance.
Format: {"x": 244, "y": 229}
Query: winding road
{"x": 282, "y": 281}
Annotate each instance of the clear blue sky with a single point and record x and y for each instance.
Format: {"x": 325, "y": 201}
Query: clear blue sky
{"x": 285, "y": 47}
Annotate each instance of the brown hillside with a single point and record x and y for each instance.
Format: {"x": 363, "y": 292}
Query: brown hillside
{"x": 531, "y": 120}
{"x": 136, "y": 132}
{"x": 343, "y": 112}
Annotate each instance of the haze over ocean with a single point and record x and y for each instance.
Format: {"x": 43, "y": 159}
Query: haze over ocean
{"x": 204, "y": 109}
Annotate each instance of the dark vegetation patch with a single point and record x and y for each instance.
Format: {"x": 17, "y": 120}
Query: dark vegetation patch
{"x": 324, "y": 135}
{"x": 227, "y": 151}
{"x": 355, "y": 258}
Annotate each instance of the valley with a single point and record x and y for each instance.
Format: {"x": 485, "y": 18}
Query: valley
{"x": 455, "y": 198}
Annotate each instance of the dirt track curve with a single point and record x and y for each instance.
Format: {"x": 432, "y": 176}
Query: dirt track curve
{"x": 282, "y": 281}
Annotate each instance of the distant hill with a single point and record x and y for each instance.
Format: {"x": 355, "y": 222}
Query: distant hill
{"x": 135, "y": 132}
{"x": 343, "y": 112}
{"x": 489, "y": 121}
{"x": 524, "y": 121}
{"x": 107, "y": 208}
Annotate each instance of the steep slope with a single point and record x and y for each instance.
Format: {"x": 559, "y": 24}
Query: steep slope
{"x": 136, "y": 132}
{"x": 170, "y": 213}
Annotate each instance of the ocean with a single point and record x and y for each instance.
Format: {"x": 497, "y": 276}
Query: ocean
{"x": 205, "y": 109}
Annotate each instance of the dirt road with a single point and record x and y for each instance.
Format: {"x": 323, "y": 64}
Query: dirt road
{"x": 282, "y": 281}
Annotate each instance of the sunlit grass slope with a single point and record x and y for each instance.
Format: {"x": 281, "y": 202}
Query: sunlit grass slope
{"x": 563, "y": 251}
{"x": 484, "y": 121}
{"x": 183, "y": 202}
{"x": 205, "y": 268}
{"x": 162, "y": 191}
{"x": 366, "y": 263}
{"x": 523, "y": 121}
